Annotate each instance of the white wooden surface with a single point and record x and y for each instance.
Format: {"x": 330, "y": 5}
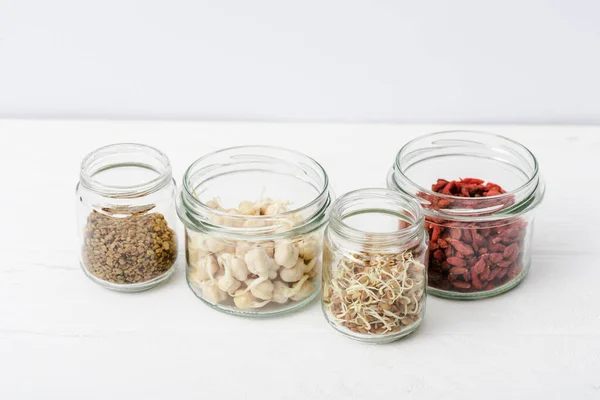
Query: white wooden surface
{"x": 63, "y": 337}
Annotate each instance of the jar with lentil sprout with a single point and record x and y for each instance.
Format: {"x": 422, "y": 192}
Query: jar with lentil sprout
{"x": 374, "y": 265}
{"x": 479, "y": 192}
{"x": 126, "y": 217}
{"x": 254, "y": 217}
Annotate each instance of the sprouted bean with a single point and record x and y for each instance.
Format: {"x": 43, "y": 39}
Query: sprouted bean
{"x": 376, "y": 294}
{"x": 248, "y": 275}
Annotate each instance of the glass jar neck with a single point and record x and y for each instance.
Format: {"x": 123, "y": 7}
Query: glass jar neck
{"x": 377, "y": 219}
{"x": 195, "y": 213}
{"x": 149, "y": 170}
{"x": 437, "y": 146}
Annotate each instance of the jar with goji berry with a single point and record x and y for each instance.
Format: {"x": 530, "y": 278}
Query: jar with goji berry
{"x": 479, "y": 192}
{"x": 374, "y": 265}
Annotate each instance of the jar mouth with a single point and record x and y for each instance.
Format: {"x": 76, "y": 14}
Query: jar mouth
{"x": 477, "y": 145}
{"x": 405, "y": 210}
{"x": 150, "y": 170}
{"x": 267, "y": 160}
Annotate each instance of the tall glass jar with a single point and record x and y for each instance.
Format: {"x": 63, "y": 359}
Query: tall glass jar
{"x": 480, "y": 233}
{"x": 254, "y": 217}
{"x": 374, "y": 265}
{"x": 126, "y": 217}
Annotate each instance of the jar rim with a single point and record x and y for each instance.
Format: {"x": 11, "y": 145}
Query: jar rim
{"x": 89, "y": 168}
{"x": 529, "y": 194}
{"x": 508, "y": 194}
{"x": 403, "y": 201}
{"x": 199, "y": 207}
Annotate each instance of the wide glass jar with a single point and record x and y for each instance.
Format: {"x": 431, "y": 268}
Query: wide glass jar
{"x": 254, "y": 218}
{"x": 126, "y": 217}
{"x": 374, "y": 265}
{"x": 479, "y": 192}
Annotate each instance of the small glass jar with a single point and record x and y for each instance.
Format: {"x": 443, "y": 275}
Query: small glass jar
{"x": 254, "y": 217}
{"x": 126, "y": 217}
{"x": 480, "y": 235}
{"x": 374, "y": 265}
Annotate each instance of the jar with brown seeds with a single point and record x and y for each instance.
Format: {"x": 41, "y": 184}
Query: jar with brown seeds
{"x": 126, "y": 217}
{"x": 374, "y": 272}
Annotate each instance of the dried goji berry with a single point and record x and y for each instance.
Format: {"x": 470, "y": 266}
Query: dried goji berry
{"x": 485, "y": 275}
{"x": 455, "y": 234}
{"x": 511, "y": 252}
{"x": 496, "y": 247}
{"x": 475, "y": 280}
{"x": 458, "y": 271}
{"x": 460, "y": 246}
{"x": 439, "y": 185}
{"x": 461, "y": 285}
{"x": 479, "y": 266}
{"x": 467, "y": 236}
{"x": 436, "y": 233}
{"x": 496, "y": 257}
{"x": 501, "y": 273}
{"x": 457, "y": 262}
{"x": 494, "y": 273}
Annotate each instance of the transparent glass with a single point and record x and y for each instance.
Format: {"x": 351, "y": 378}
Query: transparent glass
{"x": 479, "y": 246}
{"x": 374, "y": 266}
{"x": 126, "y": 217}
{"x": 254, "y": 219}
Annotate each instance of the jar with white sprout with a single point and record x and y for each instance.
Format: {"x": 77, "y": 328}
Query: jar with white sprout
{"x": 374, "y": 274}
{"x": 255, "y": 257}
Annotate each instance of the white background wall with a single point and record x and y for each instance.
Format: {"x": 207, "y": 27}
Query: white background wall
{"x": 342, "y": 60}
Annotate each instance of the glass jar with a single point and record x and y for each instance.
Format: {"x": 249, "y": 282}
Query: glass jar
{"x": 480, "y": 234}
{"x": 254, "y": 217}
{"x": 126, "y": 217}
{"x": 374, "y": 265}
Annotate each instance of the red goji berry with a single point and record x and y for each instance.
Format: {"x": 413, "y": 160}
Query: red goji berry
{"x": 436, "y": 233}
{"x": 461, "y": 285}
{"x": 494, "y": 273}
{"x": 460, "y": 246}
{"x": 458, "y": 271}
{"x": 502, "y": 273}
{"x": 441, "y": 183}
{"x": 496, "y": 257}
{"x": 457, "y": 262}
{"x": 475, "y": 280}
{"x": 467, "y": 236}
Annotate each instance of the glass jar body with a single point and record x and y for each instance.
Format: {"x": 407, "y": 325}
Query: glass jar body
{"x": 480, "y": 243}
{"x": 126, "y": 217}
{"x": 254, "y": 218}
{"x": 374, "y": 285}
